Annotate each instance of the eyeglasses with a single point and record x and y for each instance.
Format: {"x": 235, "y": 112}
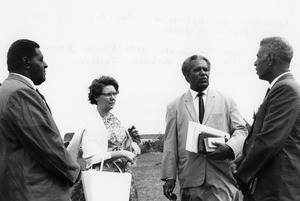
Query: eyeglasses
{"x": 110, "y": 94}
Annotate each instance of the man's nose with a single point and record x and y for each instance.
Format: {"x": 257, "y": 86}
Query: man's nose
{"x": 202, "y": 72}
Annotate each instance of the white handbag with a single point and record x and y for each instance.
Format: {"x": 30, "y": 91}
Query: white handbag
{"x": 108, "y": 186}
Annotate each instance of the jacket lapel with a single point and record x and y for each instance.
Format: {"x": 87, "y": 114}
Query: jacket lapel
{"x": 210, "y": 101}
{"x": 263, "y": 104}
{"x": 190, "y": 106}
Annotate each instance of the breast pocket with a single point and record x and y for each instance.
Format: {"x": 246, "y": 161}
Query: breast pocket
{"x": 217, "y": 120}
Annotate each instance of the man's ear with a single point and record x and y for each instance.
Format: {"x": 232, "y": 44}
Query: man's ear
{"x": 187, "y": 77}
{"x": 26, "y": 62}
{"x": 271, "y": 59}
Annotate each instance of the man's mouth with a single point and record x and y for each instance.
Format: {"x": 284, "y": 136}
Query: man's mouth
{"x": 203, "y": 79}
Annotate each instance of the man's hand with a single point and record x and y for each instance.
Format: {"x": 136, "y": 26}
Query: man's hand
{"x": 242, "y": 186}
{"x": 232, "y": 170}
{"x": 169, "y": 187}
{"x": 222, "y": 152}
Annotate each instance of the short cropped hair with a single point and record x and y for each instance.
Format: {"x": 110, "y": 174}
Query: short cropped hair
{"x": 97, "y": 86}
{"x": 278, "y": 46}
{"x": 19, "y": 49}
{"x": 186, "y": 66}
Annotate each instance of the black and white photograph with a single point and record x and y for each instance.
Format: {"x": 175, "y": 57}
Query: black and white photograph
{"x": 149, "y": 100}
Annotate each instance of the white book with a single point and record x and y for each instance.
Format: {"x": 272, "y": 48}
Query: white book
{"x": 195, "y": 129}
{"x": 208, "y": 142}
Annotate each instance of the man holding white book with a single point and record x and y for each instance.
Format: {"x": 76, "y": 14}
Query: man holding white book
{"x": 201, "y": 175}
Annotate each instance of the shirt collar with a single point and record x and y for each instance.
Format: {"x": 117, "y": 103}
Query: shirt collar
{"x": 277, "y": 78}
{"x": 25, "y": 78}
{"x": 195, "y": 93}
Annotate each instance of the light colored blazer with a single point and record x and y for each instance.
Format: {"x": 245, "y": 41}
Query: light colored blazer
{"x": 34, "y": 165}
{"x": 272, "y": 149}
{"x": 93, "y": 139}
{"x": 221, "y": 113}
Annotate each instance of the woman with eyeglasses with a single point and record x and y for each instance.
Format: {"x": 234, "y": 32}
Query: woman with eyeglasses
{"x": 105, "y": 138}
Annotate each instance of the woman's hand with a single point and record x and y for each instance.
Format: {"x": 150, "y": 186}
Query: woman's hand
{"x": 128, "y": 155}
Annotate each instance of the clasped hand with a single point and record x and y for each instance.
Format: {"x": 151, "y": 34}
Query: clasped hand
{"x": 232, "y": 174}
{"x": 130, "y": 156}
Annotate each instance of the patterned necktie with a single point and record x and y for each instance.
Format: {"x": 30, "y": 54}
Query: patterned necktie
{"x": 201, "y": 106}
{"x": 41, "y": 95}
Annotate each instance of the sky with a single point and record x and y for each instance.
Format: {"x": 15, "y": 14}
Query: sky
{"x": 142, "y": 44}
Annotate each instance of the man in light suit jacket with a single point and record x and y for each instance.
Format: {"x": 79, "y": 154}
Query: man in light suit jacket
{"x": 201, "y": 176}
{"x": 34, "y": 165}
{"x": 271, "y": 157}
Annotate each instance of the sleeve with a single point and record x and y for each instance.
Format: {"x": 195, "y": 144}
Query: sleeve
{"x": 75, "y": 144}
{"x": 94, "y": 143}
{"x": 278, "y": 122}
{"x": 38, "y": 133}
{"x": 237, "y": 129}
{"x": 170, "y": 152}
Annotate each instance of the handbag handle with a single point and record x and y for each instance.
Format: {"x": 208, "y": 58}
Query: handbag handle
{"x": 101, "y": 166}
{"x": 129, "y": 140}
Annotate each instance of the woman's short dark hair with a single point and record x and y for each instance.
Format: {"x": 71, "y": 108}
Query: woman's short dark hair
{"x": 97, "y": 86}
{"x": 19, "y": 49}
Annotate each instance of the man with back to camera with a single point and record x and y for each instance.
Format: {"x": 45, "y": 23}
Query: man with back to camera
{"x": 34, "y": 165}
{"x": 201, "y": 176}
{"x": 269, "y": 168}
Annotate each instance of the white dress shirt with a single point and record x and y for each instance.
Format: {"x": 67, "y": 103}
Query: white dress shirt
{"x": 196, "y": 99}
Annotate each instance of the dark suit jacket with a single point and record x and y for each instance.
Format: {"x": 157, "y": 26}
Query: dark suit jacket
{"x": 34, "y": 165}
{"x": 221, "y": 113}
{"x": 272, "y": 149}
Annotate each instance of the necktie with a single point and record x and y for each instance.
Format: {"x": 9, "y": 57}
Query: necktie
{"x": 201, "y": 106}
{"x": 41, "y": 95}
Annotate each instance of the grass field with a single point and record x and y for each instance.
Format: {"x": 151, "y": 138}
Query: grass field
{"x": 147, "y": 177}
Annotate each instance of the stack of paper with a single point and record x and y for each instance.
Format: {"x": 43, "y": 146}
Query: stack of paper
{"x": 195, "y": 130}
